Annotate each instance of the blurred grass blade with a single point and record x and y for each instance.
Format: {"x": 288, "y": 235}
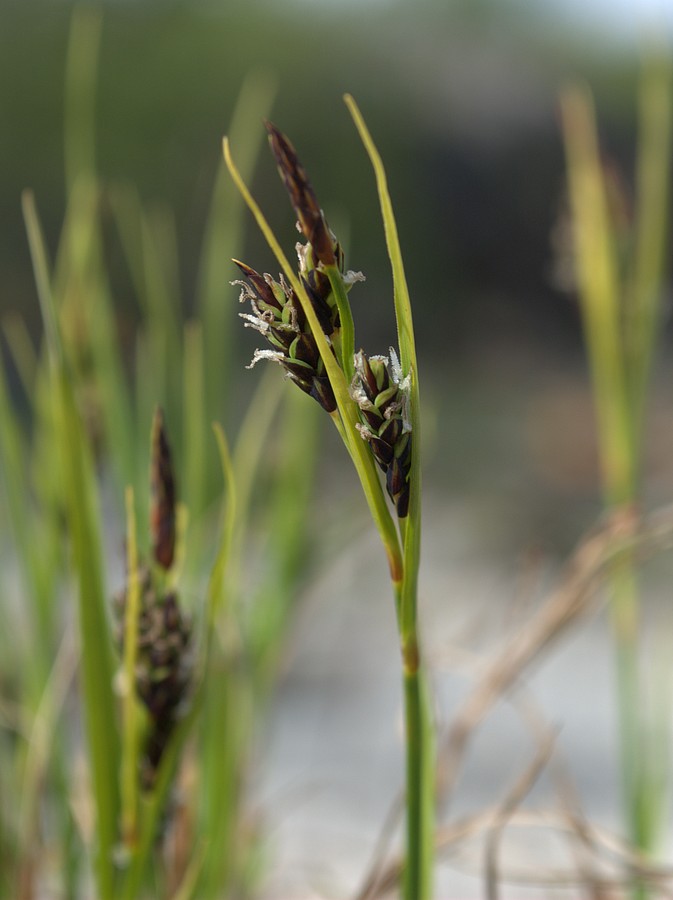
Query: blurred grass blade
{"x": 223, "y": 234}
{"x": 130, "y": 749}
{"x": 83, "y": 520}
{"x": 80, "y": 94}
{"x": 85, "y": 310}
{"x": 254, "y": 434}
{"x": 30, "y": 554}
{"x": 216, "y": 586}
{"x": 222, "y": 240}
{"x": 599, "y": 291}
{"x": 651, "y": 224}
{"x": 149, "y": 245}
{"x": 194, "y": 417}
{"x": 287, "y": 525}
{"x": 22, "y": 350}
{"x": 187, "y": 887}
{"x": 224, "y": 717}
{"x": 41, "y": 745}
{"x": 89, "y": 326}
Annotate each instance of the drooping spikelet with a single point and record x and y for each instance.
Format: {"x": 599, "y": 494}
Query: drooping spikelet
{"x": 278, "y": 315}
{"x": 277, "y": 312}
{"x": 383, "y": 397}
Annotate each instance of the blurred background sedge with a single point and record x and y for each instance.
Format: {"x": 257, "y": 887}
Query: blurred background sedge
{"x": 113, "y": 114}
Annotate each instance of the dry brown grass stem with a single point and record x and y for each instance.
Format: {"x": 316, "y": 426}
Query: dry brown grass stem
{"x": 569, "y": 602}
{"x": 581, "y": 837}
{"x": 507, "y": 809}
{"x": 629, "y": 867}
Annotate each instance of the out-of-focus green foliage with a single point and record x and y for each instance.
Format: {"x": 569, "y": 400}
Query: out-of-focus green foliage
{"x": 462, "y": 94}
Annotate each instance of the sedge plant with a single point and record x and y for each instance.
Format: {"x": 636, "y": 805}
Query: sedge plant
{"x": 620, "y": 286}
{"x": 373, "y": 401}
{"x": 84, "y": 428}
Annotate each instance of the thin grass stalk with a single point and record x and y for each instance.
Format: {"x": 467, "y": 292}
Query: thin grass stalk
{"x": 600, "y": 295}
{"x": 224, "y": 725}
{"x": 187, "y": 888}
{"x": 80, "y": 95}
{"x": 217, "y": 583}
{"x": 149, "y": 247}
{"x": 38, "y": 578}
{"x": 22, "y": 350}
{"x": 85, "y": 306}
{"x": 419, "y": 725}
{"x": 40, "y": 749}
{"x": 224, "y": 231}
{"x": 346, "y": 418}
{"x": 130, "y": 712}
{"x": 194, "y": 418}
{"x": 287, "y": 527}
{"x": 85, "y": 301}
{"x": 653, "y": 183}
{"x": 81, "y": 282}
{"x": 161, "y": 295}
{"x": 248, "y": 456}
{"x": 80, "y": 504}
{"x": 226, "y": 732}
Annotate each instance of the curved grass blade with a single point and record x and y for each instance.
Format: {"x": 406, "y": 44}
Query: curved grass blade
{"x": 419, "y": 728}
{"x": 130, "y": 712}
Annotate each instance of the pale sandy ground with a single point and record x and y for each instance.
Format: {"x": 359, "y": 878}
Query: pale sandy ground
{"x": 333, "y": 757}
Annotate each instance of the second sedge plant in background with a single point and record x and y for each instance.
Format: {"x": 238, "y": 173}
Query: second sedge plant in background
{"x": 373, "y": 401}
{"x": 84, "y": 428}
{"x": 620, "y": 283}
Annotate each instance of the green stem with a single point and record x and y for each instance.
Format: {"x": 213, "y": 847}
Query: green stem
{"x": 651, "y": 216}
{"x": 643, "y": 805}
{"x": 130, "y": 720}
{"x": 419, "y": 738}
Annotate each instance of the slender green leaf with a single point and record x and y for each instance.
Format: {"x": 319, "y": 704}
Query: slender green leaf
{"x": 651, "y": 227}
{"x": 130, "y": 750}
{"x": 418, "y": 875}
{"x": 600, "y": 292}
{"x": 83, "y": 521}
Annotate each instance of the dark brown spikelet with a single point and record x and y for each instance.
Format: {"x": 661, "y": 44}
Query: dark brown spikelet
{"x": 162, "y": 486}
{"x": 303, "y": 199}
{"x": 278, "y": 315}
{"x": 163, "y": 665}
{"x": 382, "y": 395}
